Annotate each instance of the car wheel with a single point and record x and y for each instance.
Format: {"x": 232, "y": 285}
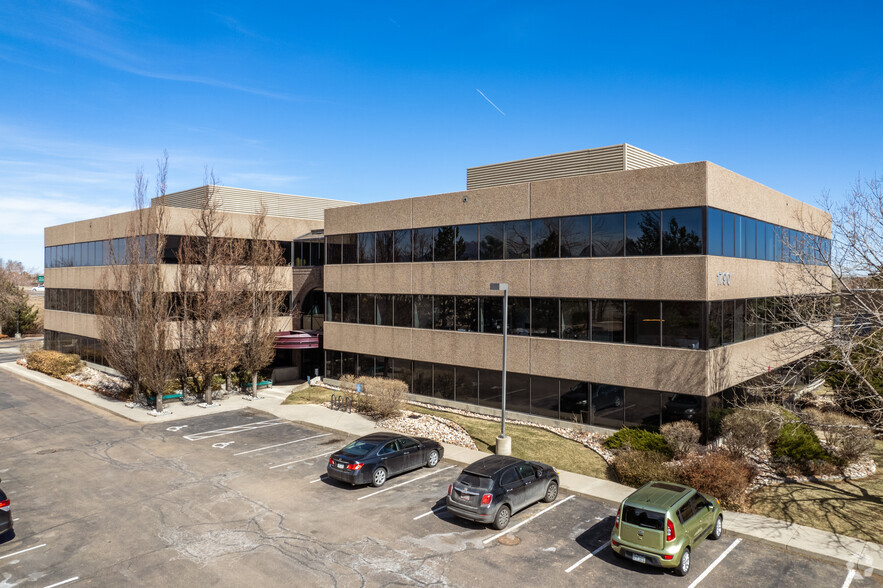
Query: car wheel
{"x": 684, "y": 568}
{"x": 378, "y": 478}
{"x": 551, "y": 492}
{"x": 502, "y": 518}
{"x": 432, "y": 460}
{"x": 718, "y": 528}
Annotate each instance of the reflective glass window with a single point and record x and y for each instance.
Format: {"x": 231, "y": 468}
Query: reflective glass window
{"x": 422, "y": 378}
{"x": 347, "y": 363}
{"x": 443, "y": 381}
{"x": 467, "y": 313}
{"x": 738, "y": 320}
{"x": 444, "y": 243}
{"x": 727, "y": 322}
{"x": 350, "y": 308}
{"x": 366, "y": 309}
{"x": 466, "y": 386}
{"x": 739, "y": 235}
{"x": 490, "y": 386}
{"x": 681, "y": 324}
{"x": 333, "y": 308}
{"x": 544, "y": 317}
{"x": 642, "y": 322}
{"x": 519, "y": 315}
{"x": 467, "y": 242}
{"x": 751, "y": 318}
{"x": 518, "y": 392}
{"x": 770, "y": 242}
{"x": 402, "y": 370}
{"x": 607, "y": 404}
{"x": 576, "y": 236}
{"x": 750, "y": 238}
{"x": 422, "y": 311}
{"x": 402, "y": 246}
{"x": 574, "y": 401}
{"x": 642, "y": 408}
{"x": 715, "y": 324}
{"x": 443, "y": 312}
{"x": 575, "y": 319}
{"x": 366, "y": 248}
{"x": 385, "y": 246}
{"x": 422, "y": 245}
{"x": 403, "y": 314}
{"x": 681, "y": 407}
{"x": 714, "y": 232}
{"x": 544, "y": 396}
{"x": 682, "y": 231}
{"x": 545, "y": 234}
{"x": 607, "y": 321}
{"x": 608, "y": 238}
{"x": 384, "y": 303}
{"x": 491, "y": 314}
{"x": 642, "y": 233}
{"x": 517, "y": 236}
{"x": 728, "y": 236}
{"x": 349, "y": 248}
{"x": 366, "y": 365}
{"x": 491, "y": 241}
{"x": 777, "y": 243}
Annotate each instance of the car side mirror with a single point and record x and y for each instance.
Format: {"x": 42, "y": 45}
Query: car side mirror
{"x": 710, "y": 506}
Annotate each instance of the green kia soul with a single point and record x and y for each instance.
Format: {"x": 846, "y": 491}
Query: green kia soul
{"x": 660, "y": 523}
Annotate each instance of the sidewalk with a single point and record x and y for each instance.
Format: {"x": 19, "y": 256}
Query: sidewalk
{"x": 790, "y": 537}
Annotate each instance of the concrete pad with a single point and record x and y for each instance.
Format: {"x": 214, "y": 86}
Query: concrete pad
{"x": 757, "y": 527}
{"x": 824, "y": 545}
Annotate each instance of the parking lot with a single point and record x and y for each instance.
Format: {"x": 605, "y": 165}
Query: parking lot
{"x": 241, "y": 498}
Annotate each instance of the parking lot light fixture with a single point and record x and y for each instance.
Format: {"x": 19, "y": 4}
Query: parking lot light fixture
{"x": 504, "y": 443}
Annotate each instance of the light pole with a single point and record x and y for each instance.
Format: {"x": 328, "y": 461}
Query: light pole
{"x": 504, "y": 443}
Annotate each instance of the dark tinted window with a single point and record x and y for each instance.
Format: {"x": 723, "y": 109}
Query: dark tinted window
{"x": 517, "y": 236}
{"x": 728, "y": 234}
{"x": 739, "y": 235}
{"x": 407, "y": 443}
{"x": 422, "y": 244}
{"x": 490, "y": 385}
{"x": 681, "y": 324}
{"x": 444, "y": 243}
{"x": 509, "y": 477}
{"x": 544, "y": 396}
{"x": 682, "y": 231}
{"x": 643, "y": 518}
{"x": 642, "y": 322}
{"x": 727, "y": 322}
{"x": 544, "y": 317}
{"x": 349, "y": 248}
{"x": 443, "y": 312}
{"x": 576, "y": 236}
{"x": 714, "y": 231}
{"x": 390, "y": 447}
{"x": 518, "y": 392}
{"x": 607, "y": 321}
{"x": 491, "y": 314}
{"x": 366, "y": 248}
{"x": 769, "y": 252}
{"x": 467, "y": 242}
{"x": 738, "y": 320}
{"x": 685, "y": 513}
{"x": 402, "y": 247}
{"x": 443, "y": 381}
{"x": 491, "y": 243}
{"x": 332, "y": 310}
{"x": 642, "y": 233}
{"x": 607, "y": 404}
{"x": 385, "y": 244}
{"x": 422, "y": 311}
{"x": 641, "y": 408}
{"x": 575, "y": 319}
{"x": 359, "y": 448}
{"x": 715, "y": 321}
{"x": 467, "y": 313}
{"x": 473, "y": 481}
{"x": 607, "y": 235}
{"x": 350, "y": 308}
{"x": 384, "y": 309}
{"x": 544, "y": 237}
{"x": 519, "y": 316}
{"x": 467, "y": 383}
{"x": 422, "y": 378}
{"x": 527, "y": 472}
{"x": 366, "y": 309}
{"x": 750, "y": 238}
{"x": 403, "y": 314}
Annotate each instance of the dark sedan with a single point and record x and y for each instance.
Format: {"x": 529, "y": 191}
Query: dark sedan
{"x": 5, "y": 514}
{"x": 493, "y": 488}
{"x": 374, "y": 458}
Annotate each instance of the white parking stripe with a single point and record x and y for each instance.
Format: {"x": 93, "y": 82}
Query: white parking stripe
{"x": 403, "y": 483}
{"x": 23, "y": 550}
{"x": 300, "y": 460}
{"x": 719, "y": 559}
{"x": 281, "y": 444}
{"x": 68, "y": 581}
{"x": 586, "y": 558}
{"x": 848, "y": 579}
{"x": 319, "y": 479}
{"x": 233, "y": 430}
{"x": 524, "y": 522}
{"x": 426, "y": 514}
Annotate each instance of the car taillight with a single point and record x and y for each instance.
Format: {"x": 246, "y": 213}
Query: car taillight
{"x": 4, "y": 503}
{"x": 616, "y": 524}
{"x": 450, "y": 489}
{"x": 668, "y": 557}
{"x": 330, "y": 461}
{"x": 614, "y": 543}
{"x": 670, "y": 535}
{"x": 486, "y": 499}
{"x": 355, "y": 466}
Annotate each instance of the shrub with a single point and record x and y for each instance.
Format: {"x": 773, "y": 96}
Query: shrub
{"x": 846, "y": 437}
{"x": 724, "y": 476}
{"x": 636, "y": 468}
{"x": 640, "y": 440}
{"x": 53, "y": 363}
{"x": 745, "y": 431}
{"x": 798, "y": 445}
{"x": 681, "y": 436}
{"x": 382, "y": 397}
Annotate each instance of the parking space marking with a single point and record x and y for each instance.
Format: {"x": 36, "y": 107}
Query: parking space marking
{"x": 426, "y": 514}
{"x": 23, "y": 550}
{"x": 281, "y": 444}
{"x": 719, "y": 559}
{"x": 587, "y": 558}
{"x": 403, "y": 483}
{"x": 319, "y": 479}
{"x": 233, "y": 430}
{"x": 848, "y": 579}
{"x": 524, "y": 522}
{"x": 68, "y": 581}
{"x": 304, "y": 459}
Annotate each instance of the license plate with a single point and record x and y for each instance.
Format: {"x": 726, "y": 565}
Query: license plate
{"x": 340, "y": 466}
{"x": 639, "y": 558}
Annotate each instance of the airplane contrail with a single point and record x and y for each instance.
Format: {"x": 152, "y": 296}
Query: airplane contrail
{"x": 489, "y": 102}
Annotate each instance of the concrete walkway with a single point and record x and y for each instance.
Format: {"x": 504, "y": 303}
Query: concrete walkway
{"x": 781, "y": 534}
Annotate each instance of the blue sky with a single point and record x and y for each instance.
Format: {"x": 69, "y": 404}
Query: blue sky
{"x": 372, "y": 101}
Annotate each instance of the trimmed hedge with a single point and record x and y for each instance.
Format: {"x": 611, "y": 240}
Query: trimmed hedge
{"x": 53, "y": 363}
{"x": 640, "y": 440}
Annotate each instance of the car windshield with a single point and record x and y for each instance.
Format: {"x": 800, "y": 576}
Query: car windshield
{"x": 358, "y": 448}
{"x": 473, "y": 481}
{"x": 643, "y": 518}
